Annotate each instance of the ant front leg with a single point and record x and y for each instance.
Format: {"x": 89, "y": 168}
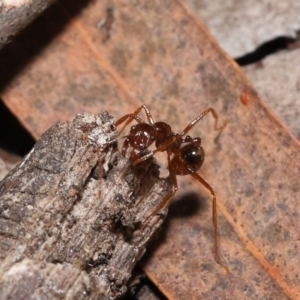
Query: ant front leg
{"x": 134, "y": 116}
{"x": 148, "y": 114}
{"x": 214, "y": 217}
{"x": 130, "y": 117}
{"x": 198, "y": 118}
{"x": 125, "y": 147}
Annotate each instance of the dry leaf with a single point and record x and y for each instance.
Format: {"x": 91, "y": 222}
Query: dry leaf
{"x": 159, "y": 54}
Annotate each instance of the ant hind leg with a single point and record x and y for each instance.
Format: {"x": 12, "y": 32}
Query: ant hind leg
{"x": 214, "y": 218}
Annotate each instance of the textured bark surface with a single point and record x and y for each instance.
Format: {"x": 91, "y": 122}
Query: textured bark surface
{"x": 15, "y": 15}
{"x": 71, "y": 213}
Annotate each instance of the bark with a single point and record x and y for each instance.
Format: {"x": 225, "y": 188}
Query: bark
{"x": 16, "y": 15}
{"x": 71, "y": 215}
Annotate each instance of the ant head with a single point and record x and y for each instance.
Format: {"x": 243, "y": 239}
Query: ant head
{"x": 193, "y": 156}
{"x": 141, "y": 136}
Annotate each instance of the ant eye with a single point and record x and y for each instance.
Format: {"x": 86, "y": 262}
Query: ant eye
{"x": 193, "y": 156}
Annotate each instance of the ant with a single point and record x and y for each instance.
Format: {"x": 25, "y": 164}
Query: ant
{"x": 187, "y": 154}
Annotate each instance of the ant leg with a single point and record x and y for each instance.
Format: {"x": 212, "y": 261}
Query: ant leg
{"x": 198, "y": 118}
{"x": 158, "y": 149}
{"x": 148, "y": 114}
{"x": 125, "y": 147}
{"x": 143, "y": 158}
{"x": 214, "y": 217}
{"x": 167, "y": 199}
{"x": 130, "y": 117}
{"x": 135, "y": 116}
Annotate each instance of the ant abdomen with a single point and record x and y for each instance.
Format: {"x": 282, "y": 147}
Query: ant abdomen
{"x": 193, "y": 156}
{"x": 190, "y": 160}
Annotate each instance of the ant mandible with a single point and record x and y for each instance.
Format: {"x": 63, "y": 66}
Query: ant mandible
{"x": 186, "y": 159}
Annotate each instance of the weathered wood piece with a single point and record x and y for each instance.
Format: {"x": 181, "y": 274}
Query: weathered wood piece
{"x": 71, "y": 215}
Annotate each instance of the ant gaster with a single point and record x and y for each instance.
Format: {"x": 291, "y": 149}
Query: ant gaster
{"x": 185, "y": 154}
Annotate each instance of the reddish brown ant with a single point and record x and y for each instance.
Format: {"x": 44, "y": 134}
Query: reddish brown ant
{"x": 186, "y": 159}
